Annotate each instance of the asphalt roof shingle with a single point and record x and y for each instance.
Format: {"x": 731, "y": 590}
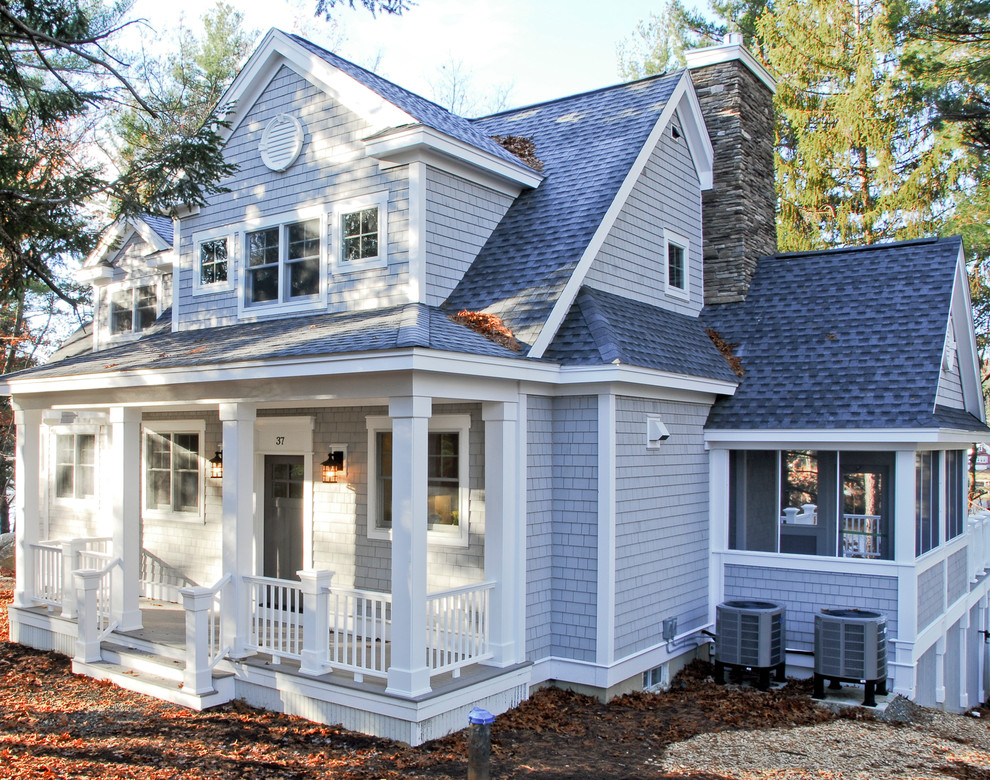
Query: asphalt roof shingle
{"x": 605, "y": 328}
{"x": 321, "y": 335}
{"x": 847, "y": 338}
{"x": 587, "y": 144}
{"x": 161, "y": 225}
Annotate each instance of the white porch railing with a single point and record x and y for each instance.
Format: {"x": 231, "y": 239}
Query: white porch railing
{"x": 457, "y": 628}
{"x": 275, "y": 617}
{"x": 861, "y": 537}
{"x": 162, "y": 581}
{"x": 48, "y": 565}
{"x": 978, "y": 529}
{"x": 360, "y": 628}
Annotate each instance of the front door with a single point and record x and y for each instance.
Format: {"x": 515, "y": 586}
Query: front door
{"x": 284, "y": 476}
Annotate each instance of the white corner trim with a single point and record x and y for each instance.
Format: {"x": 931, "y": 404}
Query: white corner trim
{"x": 967, "y": 356}
{"x": 605, "y": 632}
{"x": 713, "y": 55}
{"x": 417, "y": 233}
{"x": 566, "y": 299}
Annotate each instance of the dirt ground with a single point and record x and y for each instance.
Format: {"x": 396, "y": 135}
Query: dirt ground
{"x": 56, "y": 725}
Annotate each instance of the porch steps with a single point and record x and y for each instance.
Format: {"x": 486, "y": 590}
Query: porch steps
{"x": 151, "y": 675}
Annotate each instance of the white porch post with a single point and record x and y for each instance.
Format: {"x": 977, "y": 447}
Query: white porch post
{"x": 70, "y": 562}
{"x": 504, "y": 532}
{"x": 27, "y": 504}
{"x": 125, "y": 466}
{"x": 198, "y": 676}
{"x": 904, "y": 669}
{"x": 408, "y": 674}
{"x": 238, "y": 517}
{"x": 316, "y": 621}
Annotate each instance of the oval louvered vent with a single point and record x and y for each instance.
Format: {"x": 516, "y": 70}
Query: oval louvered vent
{"x": 281, "y": 142}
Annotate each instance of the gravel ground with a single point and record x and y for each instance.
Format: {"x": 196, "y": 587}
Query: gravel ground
{"x": 937, "y": 745}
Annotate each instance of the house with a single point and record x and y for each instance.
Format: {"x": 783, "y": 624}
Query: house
{"x": 425, "y": 412}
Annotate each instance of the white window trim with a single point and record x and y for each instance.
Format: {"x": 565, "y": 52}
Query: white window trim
{"x": 131, "y": 285}
{"x": 246, "y": 310}
{"x": 233, "y": 238}
{"x": 74, "y": 430}
{"x": 443, "y": 423}
{"x": 175, "y": 426}
{"x": 336, "y": 233}
{"x": 669, "y": 238}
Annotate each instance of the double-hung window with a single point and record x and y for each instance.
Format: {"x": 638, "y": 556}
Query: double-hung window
{"x": 213, "y": 260}
{"x": 75, "y": 465}
{"x": 283, "y": 263}
{"x": 172, "y": 469}
{"x": 133, "y": 309}
{"x": 361, "y": 233}
{"x": 675, "y": 252}
{"x": 446, "y": 478}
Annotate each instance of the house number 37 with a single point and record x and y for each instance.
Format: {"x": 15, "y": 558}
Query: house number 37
{"x": 279, "y": 441}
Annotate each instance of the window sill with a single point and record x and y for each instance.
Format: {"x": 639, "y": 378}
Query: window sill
{"x": 434, "y": 538}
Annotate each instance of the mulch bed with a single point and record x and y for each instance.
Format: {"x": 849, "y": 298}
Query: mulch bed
{"x": 57, "y": 725}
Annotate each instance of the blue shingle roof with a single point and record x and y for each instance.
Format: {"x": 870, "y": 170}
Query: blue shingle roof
{"x": 401, "y": 327}
{"x": 848, "y": 338}
{"x": 424, "y": 111}
{"x": 161, "y": 225}
{"x": 605, "y": 328}
{"x": 587, "y": 144}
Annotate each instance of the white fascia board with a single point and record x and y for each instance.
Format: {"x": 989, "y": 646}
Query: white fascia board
{"x": 98, "y": 276}
{"x": 432, "y": 361}
{"x": 696, "y": 132}
{"x": 419, "y": 143}
{"x": 818, "y": 563}
{"x": 713, "y": 55}
{"x": 860, "y": 438}
{"x": 644, "y": 376}
{"x": 967, "y": 355}
{"x": 150, "y": 237}
{"x": 163, "y": 261}
{"x": 119, "y": 231}
{"x": 570, "y": 291}
{"x": 277, "y": 49}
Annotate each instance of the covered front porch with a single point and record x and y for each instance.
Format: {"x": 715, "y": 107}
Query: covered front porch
{"x": 310, "y": 630}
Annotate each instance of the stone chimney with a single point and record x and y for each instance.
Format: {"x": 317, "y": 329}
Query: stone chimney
{"x": 738, "y": 213}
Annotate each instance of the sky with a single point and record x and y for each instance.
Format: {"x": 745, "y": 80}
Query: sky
{"x": 538, "y": 49}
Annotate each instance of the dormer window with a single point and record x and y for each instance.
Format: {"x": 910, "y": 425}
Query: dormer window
{"x": 676, "y": 262}
{"x": 362, "y": 233}
{"x": 133, "y": 310}
{"x": 213, "y": 261}
{"x": 283, "y": 263}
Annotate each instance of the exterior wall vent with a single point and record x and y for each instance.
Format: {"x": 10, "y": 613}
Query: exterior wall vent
{"x": 851, "y": 646}
{"x": 281, "y": 142}
{"x": 750, "y": 635}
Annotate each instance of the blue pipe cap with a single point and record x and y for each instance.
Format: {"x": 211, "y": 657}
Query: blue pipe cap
{"x": 480, "y": 717}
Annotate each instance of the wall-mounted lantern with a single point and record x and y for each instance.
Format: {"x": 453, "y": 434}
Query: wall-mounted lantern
{"x": 216, "y": 465}
{"x": 333, "y": 466}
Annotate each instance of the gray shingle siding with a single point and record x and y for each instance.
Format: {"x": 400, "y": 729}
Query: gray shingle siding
{"x": 950, "y": 390}
{"x": 931, "y": 594}
{"x": 574, "y": 577}
{"x": 460, "y": 215}
{"x": 667, "y": 196}
{"x": 331, "y": 168}
{"x": 957, "y": 578}
{"x": 539, "y": 526}
{"x": 805, "y": 593}
{"x": 661, "y": 525}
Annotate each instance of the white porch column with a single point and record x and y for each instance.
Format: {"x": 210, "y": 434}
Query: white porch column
{"x": 238, "y": 518}
{"x": 905, "y": 666}
{"x": 505, "y": 540}
{"x": 409, "y": 675}
{"x": 125, "y": 502}
{"x": 27, "y": 505}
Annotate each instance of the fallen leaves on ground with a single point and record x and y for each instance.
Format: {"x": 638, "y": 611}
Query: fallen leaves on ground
{"x": 54, "y": 724}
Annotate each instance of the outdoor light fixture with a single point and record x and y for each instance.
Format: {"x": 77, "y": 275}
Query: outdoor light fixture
{"x": 333, "y": 465}
{"x": 216, "y": 465}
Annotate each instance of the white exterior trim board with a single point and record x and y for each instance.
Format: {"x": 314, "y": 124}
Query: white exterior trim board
{"x": 914, "y": 438}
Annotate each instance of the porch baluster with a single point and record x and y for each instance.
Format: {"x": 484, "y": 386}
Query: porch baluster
{"x": 316, "y": 622}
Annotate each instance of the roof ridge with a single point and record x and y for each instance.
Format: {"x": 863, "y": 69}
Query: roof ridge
{"x": 867, "y": 247}
{"x": 561, "y": 99}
